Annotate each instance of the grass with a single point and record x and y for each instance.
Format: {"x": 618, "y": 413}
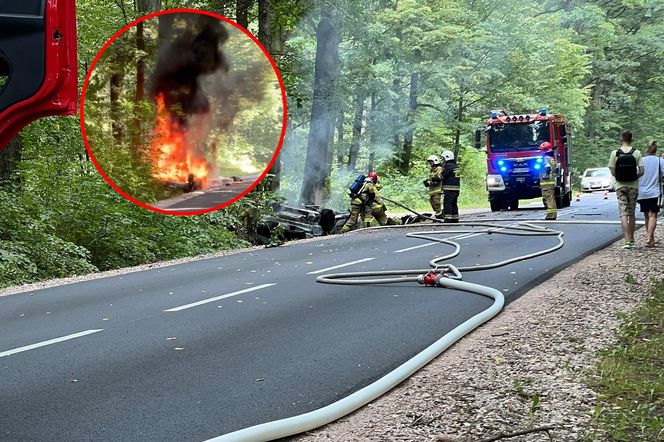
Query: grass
{"x": 629, "y": 377}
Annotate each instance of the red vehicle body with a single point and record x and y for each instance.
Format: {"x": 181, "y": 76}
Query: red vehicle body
{"x": 514, "y": 159}
{"x": 38, "y": 75}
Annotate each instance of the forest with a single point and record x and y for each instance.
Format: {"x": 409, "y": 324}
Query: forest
{"x": 371, "y": 85}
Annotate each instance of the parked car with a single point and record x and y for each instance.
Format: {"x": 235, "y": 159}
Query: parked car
{"x": 598, "y": 178}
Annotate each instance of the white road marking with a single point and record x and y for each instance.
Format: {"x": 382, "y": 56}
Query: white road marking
{"x": 465, "y": 235}
{"x": 217, "y": 298}
{"x": 49, "y": 342}
{"x": 415, "y": 247}
{"x": 339, "y": 266}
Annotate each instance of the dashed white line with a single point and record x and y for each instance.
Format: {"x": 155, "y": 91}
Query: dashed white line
{"x": 339, "y": 266}
{"x": 217, "y": 298}
{"x": 415, "y": 247}
{"x": 49, "y": 342}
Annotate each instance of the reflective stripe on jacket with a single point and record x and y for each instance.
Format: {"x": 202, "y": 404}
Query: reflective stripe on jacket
{"x": 451, "y": 176}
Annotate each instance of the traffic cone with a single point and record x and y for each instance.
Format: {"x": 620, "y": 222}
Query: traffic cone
{"x": 578, "y": 196}
{"x": 606, "y": 195}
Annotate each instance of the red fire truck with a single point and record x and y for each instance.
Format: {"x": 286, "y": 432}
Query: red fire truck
{"x": 514, "y": 159}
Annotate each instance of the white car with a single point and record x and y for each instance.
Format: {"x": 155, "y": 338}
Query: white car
{"x": 599, "y": 178}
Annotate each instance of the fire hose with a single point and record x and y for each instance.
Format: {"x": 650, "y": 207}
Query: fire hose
{"x": 438, "y": 274}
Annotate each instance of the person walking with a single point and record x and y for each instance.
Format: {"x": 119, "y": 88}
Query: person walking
{"x": 451, "y": 186}
{"x": 626, "y": 165}
{"x": 548, "y": 177}
{"x": 433, "y": 183}
{"x": 650, "y": 188}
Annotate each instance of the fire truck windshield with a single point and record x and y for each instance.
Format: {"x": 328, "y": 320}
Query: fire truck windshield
{"x": 515, "y": 137}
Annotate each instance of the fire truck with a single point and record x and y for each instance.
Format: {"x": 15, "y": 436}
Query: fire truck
{"x": 514, "y": 159}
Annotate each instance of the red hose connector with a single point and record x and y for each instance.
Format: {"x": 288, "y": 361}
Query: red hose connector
{"x": 429, "y": 279}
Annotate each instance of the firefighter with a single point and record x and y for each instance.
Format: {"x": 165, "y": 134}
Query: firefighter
{"x": 547, "y": 178}
{"x": 366, "y": 203}
{"x": 433, "y": 183}
{"x": 451, "y": 187}
{"x": 374, "y": 206}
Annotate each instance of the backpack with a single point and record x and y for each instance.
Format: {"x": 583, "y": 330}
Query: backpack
{"x": 625, "y": 166}
{"x": 356, "y": 187}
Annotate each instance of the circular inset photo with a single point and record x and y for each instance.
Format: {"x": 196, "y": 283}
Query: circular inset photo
{"x": 183, "y": 112}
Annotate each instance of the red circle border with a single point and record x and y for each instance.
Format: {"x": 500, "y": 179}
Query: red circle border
{"x": 115, "y": 37}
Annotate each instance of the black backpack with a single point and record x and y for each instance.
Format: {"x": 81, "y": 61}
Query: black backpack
{"x": 625, "y": 166}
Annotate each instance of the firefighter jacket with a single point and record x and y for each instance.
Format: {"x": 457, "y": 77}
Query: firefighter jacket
{"x": 435, "y": 179}
{"x": 369, "y": 194}
{"x": 451, "y": 176}
{"x": 549, "y": 172}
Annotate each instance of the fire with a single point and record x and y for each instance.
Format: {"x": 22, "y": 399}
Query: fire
{"x": 173, "y": 156}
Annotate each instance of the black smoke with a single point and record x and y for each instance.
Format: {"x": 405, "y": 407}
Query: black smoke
{"x": 192, "y": 50}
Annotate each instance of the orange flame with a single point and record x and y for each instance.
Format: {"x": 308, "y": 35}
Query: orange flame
{"x": 173, "y": 157}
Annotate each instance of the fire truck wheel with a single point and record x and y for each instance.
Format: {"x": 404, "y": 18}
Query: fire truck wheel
{"x": 513, "y": 204}
{"x": 497, "y": 204}
{"x": 567, "y": 199}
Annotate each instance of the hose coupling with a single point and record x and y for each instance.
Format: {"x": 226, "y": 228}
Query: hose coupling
{"x": 429, "y": 279}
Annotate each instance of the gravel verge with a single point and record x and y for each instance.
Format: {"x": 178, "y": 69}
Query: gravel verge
{"x": 522, "y": 370}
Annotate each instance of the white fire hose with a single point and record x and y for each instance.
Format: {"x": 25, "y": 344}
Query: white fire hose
{"x": 440, "y": 275}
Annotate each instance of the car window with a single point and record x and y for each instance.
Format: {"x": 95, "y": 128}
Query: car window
{"x": 594, "y": 173}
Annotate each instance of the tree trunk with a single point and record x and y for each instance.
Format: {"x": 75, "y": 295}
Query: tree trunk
{"x": 340, "y": 140}
{"x": 140, "y": 64}
{"x": 357, "y": 129}
{"x": 457, "y": 131}
{"x": 396, "y": 123}
{"x": 265, "y": 24}
{"x": 242, "y": 12}
{"x": 326, "y": 73}
{"x": 116, "y": 114}
{"x": 372, "y": 144}
{"x": 142, "y": 7}
{"x": 404, "y": 160}
{"x": 10, "y": 156}
{"x": 146, "y": 6}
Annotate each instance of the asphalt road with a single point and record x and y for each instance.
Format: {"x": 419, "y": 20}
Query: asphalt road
{"x": 196, "y": 350}
{"x": 214, "y": 196}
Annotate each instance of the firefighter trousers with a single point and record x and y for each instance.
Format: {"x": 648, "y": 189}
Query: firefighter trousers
{"x": 377, "y": 212}
{"x": 356, "y": 213}
{"x": 450, "y": 206}
{"x": 549, "y": 199}
{"x": 434, "y": 199}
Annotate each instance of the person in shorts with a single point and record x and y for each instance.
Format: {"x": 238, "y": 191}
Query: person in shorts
{"x": 650, "y": 188}
{"x": 627, "y": 162}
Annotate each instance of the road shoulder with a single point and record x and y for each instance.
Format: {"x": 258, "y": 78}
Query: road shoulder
{"x": 524, "y": 369}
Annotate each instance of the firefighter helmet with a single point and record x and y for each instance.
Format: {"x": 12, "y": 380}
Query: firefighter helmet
{"x": 434, "y": 159}
{"x": 373, "y": 176}
{"x": 546, "y": 146}
{"x": 447, "y": 155}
